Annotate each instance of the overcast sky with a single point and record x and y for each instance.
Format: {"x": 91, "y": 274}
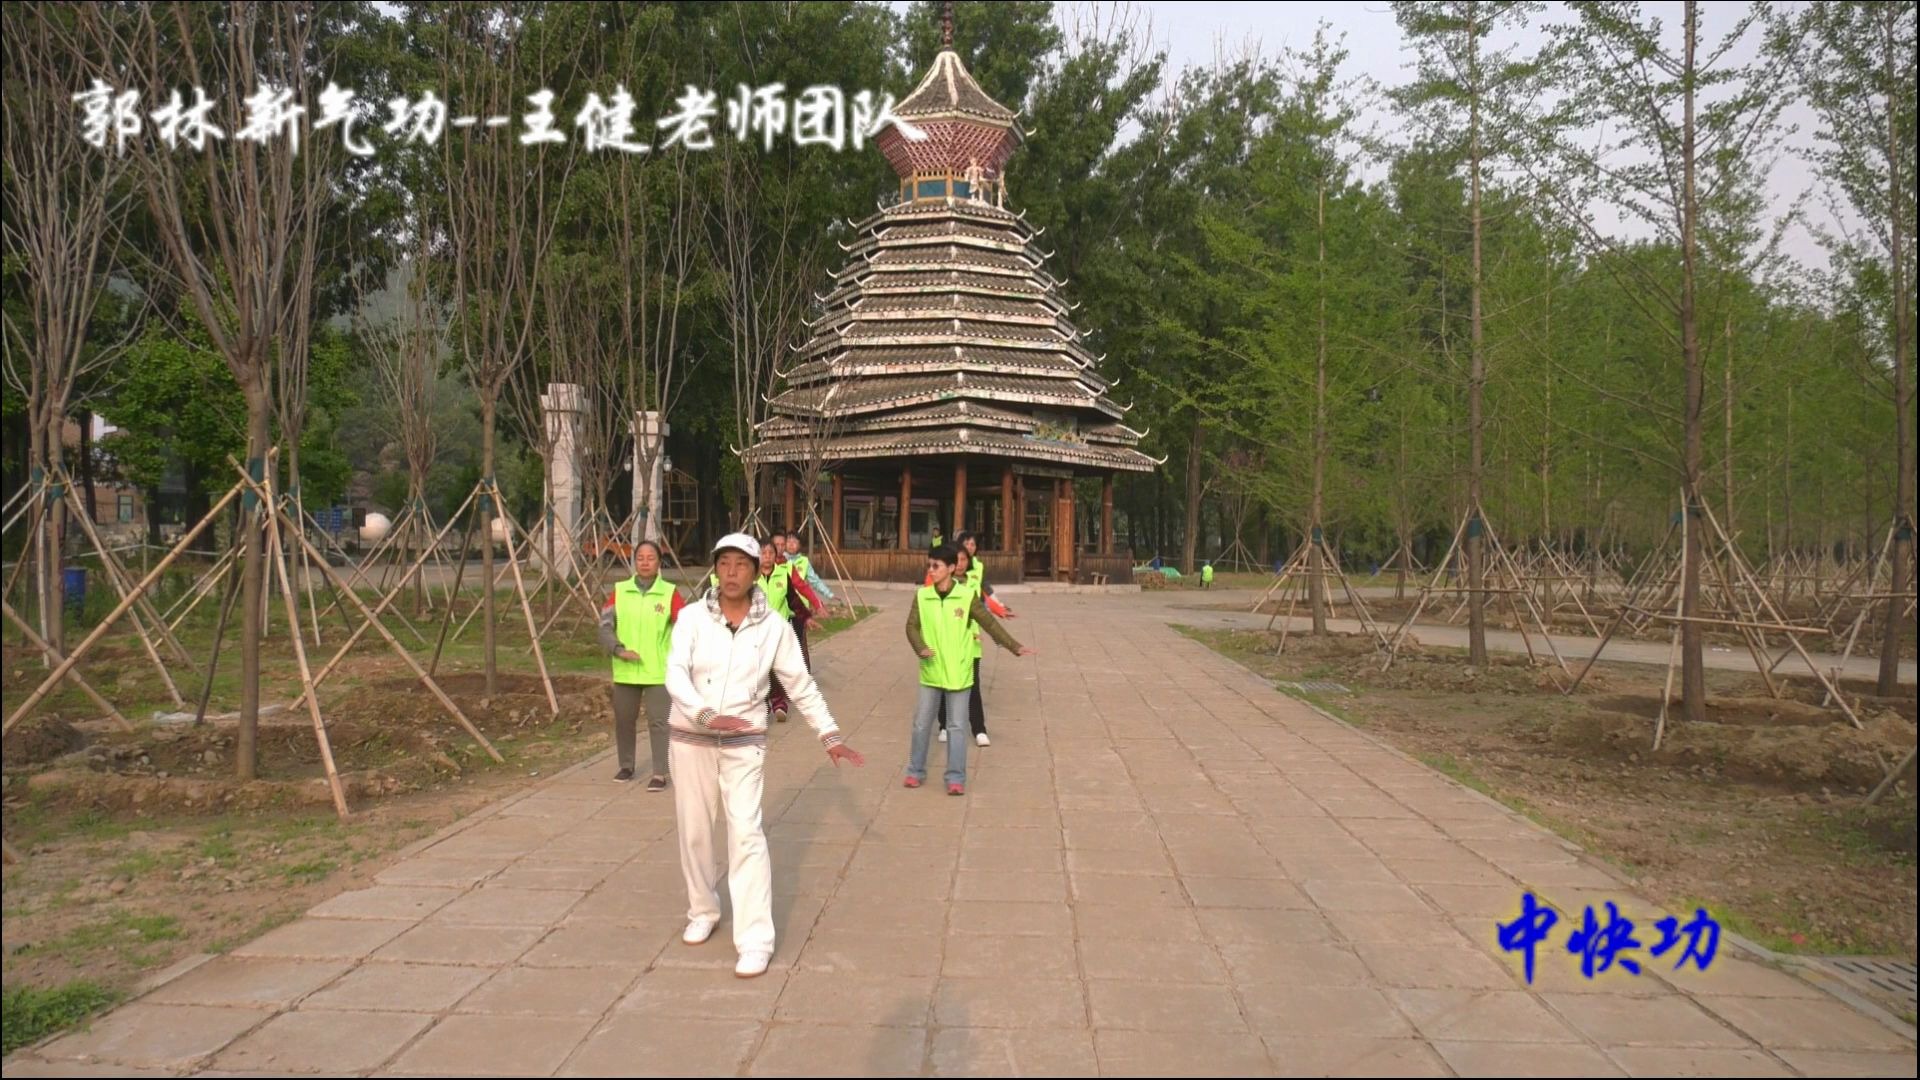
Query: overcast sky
{"x": 1198, "y": 33}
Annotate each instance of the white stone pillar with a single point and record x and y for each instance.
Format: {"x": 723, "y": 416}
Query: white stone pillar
{"x": 649, "y": 463}
{"x": 561, "y": 406}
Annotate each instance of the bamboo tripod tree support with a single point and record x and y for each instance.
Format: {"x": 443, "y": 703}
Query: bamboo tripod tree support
{"x": 106, "y": 624}
{"x": 1295, "y": 577}
{"x": 277, "y": 547}
{"x": 371, "y": 619}
{"x": 841, "y": 578}
{"x": 525, "y": 542}
{"x": 53, "y": 654}
{"x": 485, "y": 494}
{"x": 1506, "y": 583}
{"x": 148, "y": 626}
{"x": 1750, "y": 622}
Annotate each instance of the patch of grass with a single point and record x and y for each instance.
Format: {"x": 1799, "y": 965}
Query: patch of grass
{"x": 139, "y": 864}
{"x": 1320, "y": 702}
{"x": 825, "y": 628}
{"x": 1446, "y": 764}
{"x": 121, "y": 931}
{"x": 1787, "y": 930}
{"x": 308, "y": 872}
{"x": 29, "y": 1014}
{"x": 97, "y": 825}
{"x": 218, "y": 845}
{"x": 1859, "y": 837}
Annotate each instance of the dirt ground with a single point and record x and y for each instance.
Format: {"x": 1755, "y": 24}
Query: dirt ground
{"x": 141, "y": 848}
{"x": 1757, "y": 813}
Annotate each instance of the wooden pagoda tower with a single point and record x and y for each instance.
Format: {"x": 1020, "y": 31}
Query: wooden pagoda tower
{"x": 945, "y": 387}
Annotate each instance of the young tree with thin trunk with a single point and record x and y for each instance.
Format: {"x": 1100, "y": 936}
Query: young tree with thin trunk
{"x": 65, "y": 200}
{"x": 1470, "y": 95}
{"x": 503, "y": 189}
{"x": 407, "y": 351}
{"x": 1670, "y": 108}
{"x": 764, "y": 273}
{"x": 236, "y": 221}
{"x": 1856, "y": 66}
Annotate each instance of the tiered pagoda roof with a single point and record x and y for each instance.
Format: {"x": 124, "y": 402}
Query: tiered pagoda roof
{"x": 944, "y": 333}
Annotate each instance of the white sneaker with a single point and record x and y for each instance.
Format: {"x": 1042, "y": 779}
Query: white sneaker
{"x": 943, "y": 734}
{"x": 699, "y": 930}
{"x": 982, "y": 740}
{"x": 751, "y": 964}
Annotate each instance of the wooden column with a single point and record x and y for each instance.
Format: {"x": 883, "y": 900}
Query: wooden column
{"x": 1106, "y": 514}
{"x": 906, "y": 501}
{"x": 787, "y": 511}
{"x": 1009, "y": 518}
{"x": 839, "y": 518}
{"x": 1062, "y": 532}
{"x": 959, "y": 498}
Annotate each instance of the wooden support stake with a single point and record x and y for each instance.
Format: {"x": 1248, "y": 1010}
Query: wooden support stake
{"x": 53, "y": 654}
{"x": 373, "y": 616}
{"x": 300, "y": 650}
{"x": 59, "y": 672}
{"x": 425, "y": 678}
{"x": 533, "y": 632}
{"x": 219, "y": 636}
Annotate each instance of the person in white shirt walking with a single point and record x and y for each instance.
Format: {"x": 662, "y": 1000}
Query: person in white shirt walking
{"x": 724, "y": 649}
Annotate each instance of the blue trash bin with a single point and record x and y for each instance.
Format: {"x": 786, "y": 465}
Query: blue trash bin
{"x": 74, "y": 584}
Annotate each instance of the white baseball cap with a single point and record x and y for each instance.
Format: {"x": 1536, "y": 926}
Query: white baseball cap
{"x": 740, "y": 542}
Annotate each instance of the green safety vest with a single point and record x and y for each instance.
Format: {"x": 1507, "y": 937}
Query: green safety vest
{"x": 775, "y": 585}
{"x": 976, "y": 570}
{"x": 643, "y": 621}
{"x": 801, "y": 566}
{"x": 1206, "y": 573}
{"x": 947, "y": 626}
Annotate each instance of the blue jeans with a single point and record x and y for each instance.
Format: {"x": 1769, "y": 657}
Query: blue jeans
{"x": 932, "y": 698}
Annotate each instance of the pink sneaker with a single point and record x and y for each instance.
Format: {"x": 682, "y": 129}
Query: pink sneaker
{"x": 911, "y": 781}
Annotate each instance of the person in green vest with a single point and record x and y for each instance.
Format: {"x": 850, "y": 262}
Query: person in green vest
{"x": 789, "y": 597}
{"x": 802, "y": 569}
{"x": 937, "y": 539}
{"x": 963, "y": 568}
{"x": 940, "y": 627}
{"x": 1206, "y": 575}
{"x": 977, "y": 575}
{"x": 636, "y": 629}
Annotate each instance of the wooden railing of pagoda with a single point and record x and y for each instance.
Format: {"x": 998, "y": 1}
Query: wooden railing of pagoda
{"x": 903, "y": 566}
{"x": 1118, "y": 568}
{"x": 911, "y": 566}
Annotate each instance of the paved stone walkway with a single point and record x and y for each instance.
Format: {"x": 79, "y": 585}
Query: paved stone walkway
{"x": 1162, "y": 866}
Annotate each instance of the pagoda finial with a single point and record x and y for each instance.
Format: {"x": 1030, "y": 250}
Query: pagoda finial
{"x": 946, "y": 25}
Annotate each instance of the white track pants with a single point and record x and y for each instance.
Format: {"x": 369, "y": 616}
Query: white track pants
{"x": 706, "y": 781}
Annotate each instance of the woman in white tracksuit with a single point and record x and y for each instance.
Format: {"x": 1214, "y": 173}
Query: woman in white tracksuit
{"x": 724, "y": 649}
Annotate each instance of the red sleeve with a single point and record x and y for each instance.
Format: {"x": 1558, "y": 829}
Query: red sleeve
{"x": 608, "y": 604}
{"x": 805, "y": 593}
{"x": 678, "y": 603}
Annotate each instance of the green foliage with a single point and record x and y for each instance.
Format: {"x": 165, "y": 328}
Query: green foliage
{"x": 29, "y": 1014}
{"x": 1188, "y": 225}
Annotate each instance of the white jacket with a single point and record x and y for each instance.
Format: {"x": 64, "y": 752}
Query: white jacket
{"x": 713, "y": 670}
